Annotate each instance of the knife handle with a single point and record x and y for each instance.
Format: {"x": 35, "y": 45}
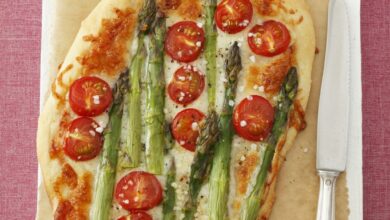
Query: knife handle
{"x": 326, "y": 200}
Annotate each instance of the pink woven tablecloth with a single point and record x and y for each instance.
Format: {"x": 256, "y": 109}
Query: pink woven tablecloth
{"x": 376, "y": 108}
{"x": 20, "y": 26}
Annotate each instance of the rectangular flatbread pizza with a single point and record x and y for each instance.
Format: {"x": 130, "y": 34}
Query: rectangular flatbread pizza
{"x": 176, "y": 109}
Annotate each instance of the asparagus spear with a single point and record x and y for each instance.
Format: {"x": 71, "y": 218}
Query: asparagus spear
{"x": 169, "y": 194}
{"x": 286, "y": 96}
{"x": 219, "y": 177}
{"x": 132, "y": 152}
{"x": 105, "y": 178}
{"x": 155, "y": 100}
{"x": 211, "y": 50}
{"x": 200, "y": 167}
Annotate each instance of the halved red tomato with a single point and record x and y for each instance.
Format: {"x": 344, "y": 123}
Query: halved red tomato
{"x": 137, "y": 216}
{"x": 269, "y": 39}
{"x": 89, "y": 96}
{"x": 83, "y": 142}
{"x": 184, "y": 41}
{"x": 138, "y": 190}
{"x": 185, "y": 127}
{"x": 186, "y": 86}
{"x": 253, "y": 118}
{"x": 233, "y": 16}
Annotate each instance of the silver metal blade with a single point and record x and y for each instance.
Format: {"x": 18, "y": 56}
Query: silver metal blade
{"x": 333, "y": 115}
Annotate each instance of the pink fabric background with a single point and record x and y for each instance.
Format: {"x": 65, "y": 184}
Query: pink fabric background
{"x": 20, "y": 26}
{"x": 376, "y": 108}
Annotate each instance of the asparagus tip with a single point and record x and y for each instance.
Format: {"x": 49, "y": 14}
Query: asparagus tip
{"x": 147, "y": 16}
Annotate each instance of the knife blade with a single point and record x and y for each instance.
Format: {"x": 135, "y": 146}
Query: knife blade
{"x": 333, "y": 114}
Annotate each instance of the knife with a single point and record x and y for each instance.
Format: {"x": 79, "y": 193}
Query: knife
{"x": 333, "y": 115}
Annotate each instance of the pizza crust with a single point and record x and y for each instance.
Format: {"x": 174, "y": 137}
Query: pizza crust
{"x": 304, "y": 53}
{"x": 49, "y": 119}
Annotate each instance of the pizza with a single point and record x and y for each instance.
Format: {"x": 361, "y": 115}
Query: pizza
{"x": 176, "y": 109}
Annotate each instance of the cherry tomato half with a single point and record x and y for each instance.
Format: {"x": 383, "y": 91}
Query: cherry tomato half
{"x": 269, "y": 39}
{"x": 89, "y": 96}
{"x": 138, "y": 190}
{"x": 83, "y": 142}
{"x": 186, "y": 86}
{"x": 185, "y": 127}
{"x": 233, "y": 16}
{"x": 137, "y": 216}
{"x": 184, "y": 41}
{"x": 253, "y": 118}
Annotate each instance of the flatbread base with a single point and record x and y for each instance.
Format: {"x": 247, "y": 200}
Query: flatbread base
{"x": 297, "y": 185}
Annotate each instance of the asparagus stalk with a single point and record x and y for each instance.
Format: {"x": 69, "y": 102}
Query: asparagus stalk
{"x": 155, "y": 100}
{"x": 200, "y": 167}
{"x": 132, "y": 152}
{"x": 211, "y": 50}
{"x": 219, "y": 177}
{"x": 105, "y": 178}
{"x": 169, "y": 194}
{"x": 286, "y": 96}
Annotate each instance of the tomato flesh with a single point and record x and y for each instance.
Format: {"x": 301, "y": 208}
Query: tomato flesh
{"x": 185, "y": 127}
{"x": 233, "y": 16}
{"x": 137, "y": 216}
{"x": 253, "y": 118}
{"x": 89, "y": 96}
{"x": 269, "y": 39}
{"x": 138, "y": 190}
{"x": 184, "y": 41}
{"x": 186, "y": 86}
{"x": 83, "y": 142}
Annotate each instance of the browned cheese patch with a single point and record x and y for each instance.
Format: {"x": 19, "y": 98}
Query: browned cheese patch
{"x": 108, "y": 49}
{"x": 190, "y": 9}
{"x": 66, "y": 181}
{"x": 57, "y": 143}
{"x": 297, "y": 117}
{"x": 63, "y": 208}
{"x": 266, "y": 7}
{"x": 270, "y": 76}
{"x": 74, "y": 194}
{"x": 167, "y": 5}
{"x": 61, "y": 76}
{"x": 244, "y": 171}
{"x": 186, "y": 9}
{"x": 60, "y": 96}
